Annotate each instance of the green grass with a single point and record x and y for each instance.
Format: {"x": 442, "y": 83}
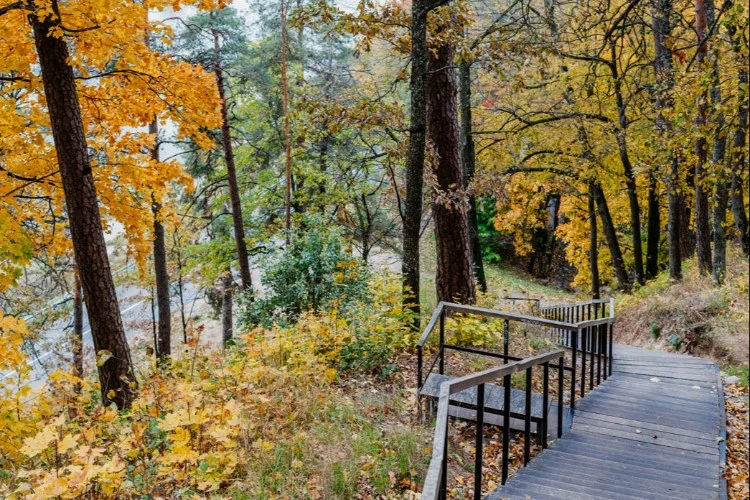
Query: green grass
{"x": 743, "y": 372}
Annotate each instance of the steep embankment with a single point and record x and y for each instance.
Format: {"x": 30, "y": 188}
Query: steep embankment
{"x": 693, "y": 316}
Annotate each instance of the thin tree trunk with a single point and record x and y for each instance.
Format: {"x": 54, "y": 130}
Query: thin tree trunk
{"x": 415, "y": 159}
{"x": 468, "y": 159}
{"x": 630, "y": 181}
{"x": 654, "y": 229}
{"x": 161, "y": 273}
{"x": 77, "y": 326}
{"x": 116, "y": 376}
{"x": 226, "y": 309}
{"x": 180, "y": 286}
{"x": 593, "y": 248}
{"x": 661, "y": 28}
{"x": 702, "y": 228}
{"x": 287, "y": 132}
{"x": 234, "y": 190}
{"x": 611, "y": 236}
{"x": 454, "y": 275}
{"x": 738, "y": 157}
{"x": 720, "y": 194}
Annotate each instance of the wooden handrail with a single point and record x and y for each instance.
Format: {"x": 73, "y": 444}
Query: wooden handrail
{"x": 434, "y": 472}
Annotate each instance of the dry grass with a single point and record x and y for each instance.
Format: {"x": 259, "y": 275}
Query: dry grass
{"x": 693, "y": 316}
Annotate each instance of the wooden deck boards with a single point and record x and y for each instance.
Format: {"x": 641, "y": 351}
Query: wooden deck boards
{"x": 653, "y": 430}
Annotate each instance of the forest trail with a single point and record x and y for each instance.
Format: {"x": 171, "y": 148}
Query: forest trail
{"x": 655, "y": 429}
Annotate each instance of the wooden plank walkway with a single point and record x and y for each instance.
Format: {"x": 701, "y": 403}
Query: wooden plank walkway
{"x": 654, "y": 430}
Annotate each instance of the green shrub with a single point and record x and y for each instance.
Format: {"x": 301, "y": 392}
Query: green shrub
{"x": 314, "y": 273}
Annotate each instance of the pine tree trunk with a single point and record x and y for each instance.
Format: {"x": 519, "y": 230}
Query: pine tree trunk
{"x": 654, "y": 229}
{"x": 610, "y": 235}
{"x": 161, "y": 273}
{"x": 415, "y": 158}
{"x": 116, "y": 373}
{"x": 468, "y": 159}
{"x": 702, "y": 228}
{"x": 234, "y": 190}
{"x": 455, "y": 274}
{"x": 593, "y": 248}
{"x": 77, "y": 325}
{"x": 738, "y": 157}
{"x": 661, "y": 28}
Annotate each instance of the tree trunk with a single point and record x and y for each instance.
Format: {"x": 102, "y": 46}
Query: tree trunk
{"x": 161, "y": 273}
{"x": 661, "y": 28}
{"x": 738, "y": 157}
{"x": 720, "y": 194}
{"x": 654, "y": 229}
{"x": 115, "y": 373}
{"x": 454, "y": 275}
{"x": 611, "y": 236}
{"x": 630, "y": 182}
{"x": 77, "y": 326}
{"x": 468, "y": 158}
{"x": 234, "y": 190}
{"x": 226, "y": 309}
{"x": 287, "y": 133}
{"x": 593, "y": 249}
{"x": 415, "y": 158}
{"x": 702, "y": 229}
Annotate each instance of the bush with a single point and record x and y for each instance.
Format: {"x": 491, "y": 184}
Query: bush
{"x": 313, "y": 274}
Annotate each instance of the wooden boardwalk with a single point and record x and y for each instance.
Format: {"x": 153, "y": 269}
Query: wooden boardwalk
{"x": 654, "y": 430}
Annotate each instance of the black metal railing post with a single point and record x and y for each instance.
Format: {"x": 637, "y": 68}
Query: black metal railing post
{"x": 506, "y": 425}
{"x": 506, "y": 340}
{"x": 575, "y": 374}
{"x": 545, "y": 405}
{"x": 599, "y": 355}
{"x": 605, "y": 352}
{"x": 560, "y": 376}
{"x": 583, "y": 361}
{"x": 441, "y": 368}
{"x": 592, "y": 348}
{"x": 527, "y": 419}
{"x": 479, "y": 443}
{"x": 611, "y": 342}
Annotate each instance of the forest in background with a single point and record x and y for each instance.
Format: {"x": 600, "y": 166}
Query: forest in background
{"x": 324, "y": 173}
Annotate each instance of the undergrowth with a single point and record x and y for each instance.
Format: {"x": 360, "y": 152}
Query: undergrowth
{"x": 693, "y": 316}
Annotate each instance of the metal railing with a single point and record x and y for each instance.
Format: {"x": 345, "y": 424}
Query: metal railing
{"x": 584, "y": 329}
{"x": 435, "y": 485}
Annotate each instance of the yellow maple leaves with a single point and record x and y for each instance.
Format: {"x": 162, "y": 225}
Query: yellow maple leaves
{"x": 123, "y": 85}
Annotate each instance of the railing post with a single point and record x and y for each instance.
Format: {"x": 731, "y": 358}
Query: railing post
{"x": 545, "y": 405}
{"x": 605, "y": 351}
{"x": 560, "y": 389}
{"x": 599, "y": 337}
{"x": 479, "y": 444}
{"x": 506, "y": 425}
{"x": 575, "y": 374}
{"x": 441, "y": 368}
{"x": 506, "y": 334}
{"x": 592, "y": 347}
{"x": 589, "y": 310}
{"x": 583, "y": 361}
{"x": 527, "y": 419}
{"x": 611, "y": 341}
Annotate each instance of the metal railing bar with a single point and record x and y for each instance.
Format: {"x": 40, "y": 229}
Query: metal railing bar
{"x": 431, "y": 325}
{"x": 491, "y": 374}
